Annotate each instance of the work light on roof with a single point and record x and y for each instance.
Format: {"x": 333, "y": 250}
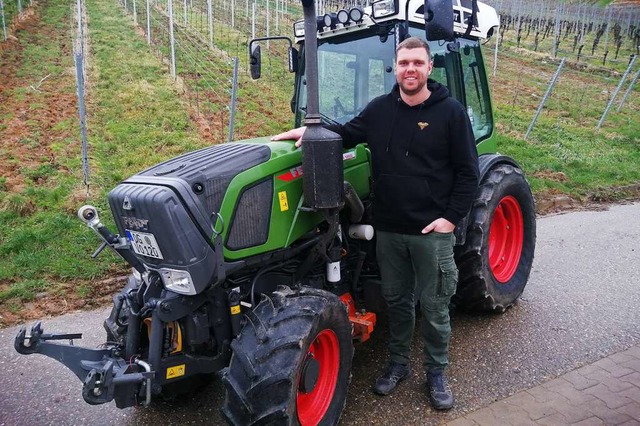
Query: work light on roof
{"x": 356, "y": 14}
{"x": 330, "y": 20}
{"x": 343, "y": 16}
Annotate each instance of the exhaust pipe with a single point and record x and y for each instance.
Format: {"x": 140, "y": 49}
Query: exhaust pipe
{"x": 322, "y": 148}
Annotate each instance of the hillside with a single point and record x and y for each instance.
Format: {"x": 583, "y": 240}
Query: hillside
{"x": 139, "y": 115}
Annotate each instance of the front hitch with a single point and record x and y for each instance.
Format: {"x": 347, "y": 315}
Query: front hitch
{"x": 120, "y": 245}
{"x": 99, "y": 369}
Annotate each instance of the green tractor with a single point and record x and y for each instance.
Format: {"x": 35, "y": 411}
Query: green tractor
{"x": 255, "y": 260}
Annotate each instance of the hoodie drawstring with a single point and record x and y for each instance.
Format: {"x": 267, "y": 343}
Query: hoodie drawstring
{"x": 393, "y": 121}
{"x": 413, "y": 133}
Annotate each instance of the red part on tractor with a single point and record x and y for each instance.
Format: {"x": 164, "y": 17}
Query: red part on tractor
{"x": 363, "y": 322}
{"x": 506, "y": 237}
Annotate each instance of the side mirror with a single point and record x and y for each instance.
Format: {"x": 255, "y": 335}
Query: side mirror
{"x": 438, "y": 20}
{"x": 254, "y": 55}
{"x": 254, "y": 61}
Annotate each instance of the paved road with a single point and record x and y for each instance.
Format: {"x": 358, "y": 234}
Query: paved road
{"x": 581, "y": 304}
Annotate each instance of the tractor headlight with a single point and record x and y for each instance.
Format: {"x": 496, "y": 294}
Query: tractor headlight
{"x": 177, "y": 281}
{"x": 298, "y": 28}
{"x": 384, "y": 8}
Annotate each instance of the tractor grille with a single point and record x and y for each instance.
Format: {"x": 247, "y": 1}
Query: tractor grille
{"x": 250, "y": 223}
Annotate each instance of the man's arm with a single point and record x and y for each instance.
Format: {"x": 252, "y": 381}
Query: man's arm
{"x": 464, "y": 160}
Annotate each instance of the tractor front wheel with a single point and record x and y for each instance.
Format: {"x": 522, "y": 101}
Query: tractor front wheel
{"x": 496, "y": 259}
{"x": 291, "y": 363}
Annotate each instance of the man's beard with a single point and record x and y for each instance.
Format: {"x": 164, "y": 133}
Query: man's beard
{"x": 411, "y": 92}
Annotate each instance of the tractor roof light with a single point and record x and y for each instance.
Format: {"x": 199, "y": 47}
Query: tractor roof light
{"x": 330, "y": 20}
{"x": 356, "y": 14}
{"x": 384, "y": 8}
{"x": 343, "y": 17}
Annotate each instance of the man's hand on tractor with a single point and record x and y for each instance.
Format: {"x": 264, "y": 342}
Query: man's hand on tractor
{"x": 440, "y": 225}
{"x": 293, "y": 134}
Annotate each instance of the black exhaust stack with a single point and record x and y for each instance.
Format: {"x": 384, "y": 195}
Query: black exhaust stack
{"x": 322, "y": 148}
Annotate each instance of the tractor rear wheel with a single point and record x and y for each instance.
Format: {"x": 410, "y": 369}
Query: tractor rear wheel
{"x": 291, "y": 363}
{"x": 496, "y": 260}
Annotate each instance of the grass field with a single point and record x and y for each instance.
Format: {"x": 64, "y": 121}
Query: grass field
{"x": 138, "y": 117}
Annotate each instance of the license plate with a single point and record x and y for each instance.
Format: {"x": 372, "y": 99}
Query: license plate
{"x": 144, "y": 244}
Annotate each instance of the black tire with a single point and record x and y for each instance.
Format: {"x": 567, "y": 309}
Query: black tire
{"x": 272, "y": 363}
{"x": 495, "y": 266}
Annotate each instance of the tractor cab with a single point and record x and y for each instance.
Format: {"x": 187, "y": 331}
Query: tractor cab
{"x": 356, "y": 54}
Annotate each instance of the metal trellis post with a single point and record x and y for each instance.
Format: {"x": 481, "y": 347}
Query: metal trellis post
{"x": 544, "y": 98}
{"x": 615, "y": 93}
{"x": 79, "y": 63}
{"x": 148, "y": 22}
{"x": 171, "y": 39}
{"x": 135, "y": 12}
{"x": 4, "y": 25}
{"x": 210, "y": 22}
{"x": 495, "y": 53}
{"x": 633, "y": 82}
{"x": 232, "y": 114}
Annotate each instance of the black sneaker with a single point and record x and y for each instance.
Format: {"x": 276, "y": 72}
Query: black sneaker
{"x": 389, "y": 380}
{"x": 440, "y": 394}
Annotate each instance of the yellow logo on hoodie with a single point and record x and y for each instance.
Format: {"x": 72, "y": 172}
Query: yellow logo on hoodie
{"x": 422, "y": 125}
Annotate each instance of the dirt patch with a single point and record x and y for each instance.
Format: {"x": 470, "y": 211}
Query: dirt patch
{"x": 31, "y": 110}
{"x": 63, "y": 299}
{"x": 554, "y": 202}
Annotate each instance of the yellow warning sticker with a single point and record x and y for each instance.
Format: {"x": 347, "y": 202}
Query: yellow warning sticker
{"x": 235, "y": 310}
{"x": 284, "y": 204}
{"x": 176, "y": 371}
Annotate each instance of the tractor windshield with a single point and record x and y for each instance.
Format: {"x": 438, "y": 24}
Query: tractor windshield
{"x": 351, "y": 72}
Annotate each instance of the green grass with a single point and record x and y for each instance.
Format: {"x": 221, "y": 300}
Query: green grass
{"x": 137, "y": 118}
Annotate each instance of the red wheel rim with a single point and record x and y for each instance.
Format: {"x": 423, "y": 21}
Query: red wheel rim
{"x": 313, "y": 405}
{"x": 506, "y": 237}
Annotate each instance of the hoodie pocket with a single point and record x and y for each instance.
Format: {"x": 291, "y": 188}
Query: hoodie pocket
{"x": 405, "y": 198}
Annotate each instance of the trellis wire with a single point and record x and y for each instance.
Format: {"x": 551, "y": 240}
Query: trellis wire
{"x": 558, "y": 20}
{"x": 218, "y": 30}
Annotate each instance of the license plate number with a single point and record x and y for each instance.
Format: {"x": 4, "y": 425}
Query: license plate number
{"x": 144, "y": 244}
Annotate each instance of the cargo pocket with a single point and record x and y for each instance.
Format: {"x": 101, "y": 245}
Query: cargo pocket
{"x": 448, "y": 277}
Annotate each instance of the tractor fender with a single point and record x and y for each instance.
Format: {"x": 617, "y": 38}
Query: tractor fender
{"x": 486, "y": 162}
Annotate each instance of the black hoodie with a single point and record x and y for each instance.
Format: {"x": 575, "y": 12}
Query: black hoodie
{"x": 425, "y": 163}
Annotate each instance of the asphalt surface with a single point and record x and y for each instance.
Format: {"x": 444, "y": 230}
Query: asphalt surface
{"x": 581, "y": 304}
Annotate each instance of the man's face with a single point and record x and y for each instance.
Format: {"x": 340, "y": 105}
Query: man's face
{"x": 413, "y": 67}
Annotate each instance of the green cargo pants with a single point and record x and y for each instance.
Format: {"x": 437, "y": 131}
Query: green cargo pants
{"x": 418, "y": 267}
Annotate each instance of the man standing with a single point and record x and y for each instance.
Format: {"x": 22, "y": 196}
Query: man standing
{"x": 425, "y": 174}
